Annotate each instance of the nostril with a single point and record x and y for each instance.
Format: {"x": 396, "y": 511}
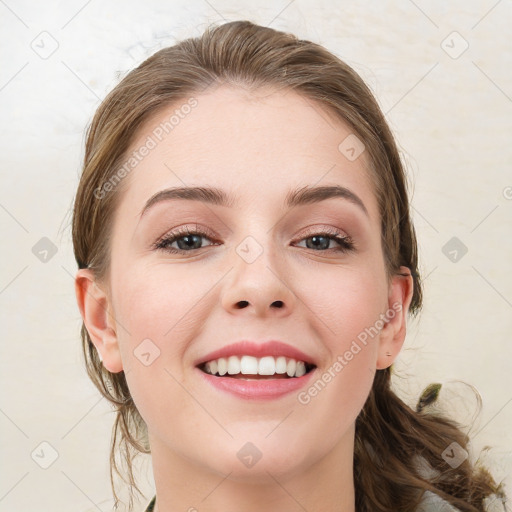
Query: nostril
{"x": 243, "y": 303}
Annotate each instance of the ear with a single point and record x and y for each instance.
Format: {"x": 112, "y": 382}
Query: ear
{"x": 392, "y": 335}
{"x": 95, "y": 309}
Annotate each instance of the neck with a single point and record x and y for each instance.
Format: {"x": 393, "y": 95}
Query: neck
{"x": 184, "y": 485}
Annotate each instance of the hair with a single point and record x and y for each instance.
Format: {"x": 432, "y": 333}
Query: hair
{"x": 390, "y": 436}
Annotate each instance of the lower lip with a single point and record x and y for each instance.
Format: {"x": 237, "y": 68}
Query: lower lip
{"x": 257, "y": 389}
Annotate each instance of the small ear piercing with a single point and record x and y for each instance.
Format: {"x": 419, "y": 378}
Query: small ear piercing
{"x": 388, "y": 353}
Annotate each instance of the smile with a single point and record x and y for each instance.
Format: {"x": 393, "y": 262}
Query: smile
{"x": 275, "y": 378}
{"x": 267, "y": 367}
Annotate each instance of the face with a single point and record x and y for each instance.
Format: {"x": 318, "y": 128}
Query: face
{"x": 189, "y": 277}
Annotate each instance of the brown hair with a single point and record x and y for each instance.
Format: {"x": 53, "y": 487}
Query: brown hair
{"x": 389, "y": 434}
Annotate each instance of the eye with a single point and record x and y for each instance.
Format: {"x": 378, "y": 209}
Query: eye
{"x": 190, "y": 240}
{"x": 320, "y": 241}
{"x": 186, "y": 240}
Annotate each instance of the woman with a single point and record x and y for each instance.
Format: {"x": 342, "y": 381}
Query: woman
{"x": 247, "y": 264}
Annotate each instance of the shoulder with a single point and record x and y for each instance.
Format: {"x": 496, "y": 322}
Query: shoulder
{"x": 151, "y": 505}
{"x": 433, "y": 503}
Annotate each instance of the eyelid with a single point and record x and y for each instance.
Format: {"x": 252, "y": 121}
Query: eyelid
{"x": 341, "y": 237}
{"x": 188, "y": 228}
{"x": 314, "y": 230}
{"x": 176, "y": 233}
{"x": 344, "y": 241}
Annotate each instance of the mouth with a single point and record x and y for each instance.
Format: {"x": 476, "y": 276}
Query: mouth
{"x": 249, "y": 368}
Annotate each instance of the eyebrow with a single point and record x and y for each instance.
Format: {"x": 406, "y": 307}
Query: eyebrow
{"x": 212, "y": 195}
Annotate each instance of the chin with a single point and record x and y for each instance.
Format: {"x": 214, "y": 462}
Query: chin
{"x": 255, "y": 460}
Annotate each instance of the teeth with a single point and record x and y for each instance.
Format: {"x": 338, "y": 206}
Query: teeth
{"x": 222, "y": 366}
{"x": 249, "y": 365}
{"x": 291, "y": 367}
{"x": 233, "y": 365}
{"x": 281, "y": 365}
{"x": 267, "y": 366}
{"x": 213, "y": 366}
{"x": 301, "y": 369}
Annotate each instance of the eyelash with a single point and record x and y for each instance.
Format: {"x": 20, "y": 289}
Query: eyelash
{"x": 345, "y": 243}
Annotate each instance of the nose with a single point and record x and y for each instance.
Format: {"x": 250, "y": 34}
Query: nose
{"x": 259, "y": 283}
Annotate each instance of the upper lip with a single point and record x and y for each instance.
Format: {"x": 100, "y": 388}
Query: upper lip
{"x": 250, "y": 348}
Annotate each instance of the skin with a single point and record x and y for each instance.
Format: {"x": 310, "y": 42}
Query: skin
{"x": 256, "y": 146}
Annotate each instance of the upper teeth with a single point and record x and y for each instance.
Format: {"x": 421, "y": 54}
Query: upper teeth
{"x": 249, "y": 365}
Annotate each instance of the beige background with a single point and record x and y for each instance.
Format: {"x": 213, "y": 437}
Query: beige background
{"x": 450, "y": 107}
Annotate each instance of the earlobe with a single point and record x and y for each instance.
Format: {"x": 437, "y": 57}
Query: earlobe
{"x": 95, "y": 308}
{"x": 393, "y": 333}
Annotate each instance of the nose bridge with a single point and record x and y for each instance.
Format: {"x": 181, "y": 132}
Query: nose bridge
{"x": 254, "y": 258}
{"x": 256, "y": 250}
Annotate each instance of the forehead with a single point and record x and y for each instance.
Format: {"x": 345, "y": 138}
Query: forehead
{"x": 255, "y": 144}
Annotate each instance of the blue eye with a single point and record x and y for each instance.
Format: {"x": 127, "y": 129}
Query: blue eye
{"x": 188, "y": 240}
{"x": 321, "y": 241}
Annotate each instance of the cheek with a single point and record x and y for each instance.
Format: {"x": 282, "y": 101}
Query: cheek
{"x": 347, "y": 318}
{"x": 155, "y": 302}
{"x": 344, "y": 302}
{"x": 151, "y": 311}
{"x": 159, "y": 310}
{"x": 335, "y": 398}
